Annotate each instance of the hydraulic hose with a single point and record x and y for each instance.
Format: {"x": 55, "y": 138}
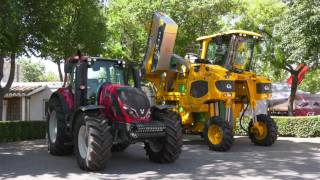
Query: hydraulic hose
{"x": 241, "y": 117}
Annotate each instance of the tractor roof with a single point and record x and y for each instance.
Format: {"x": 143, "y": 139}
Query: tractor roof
{"x": 77, "y": 58}
{"x": 84, "y": 58}
{"x": 228, "y": 33}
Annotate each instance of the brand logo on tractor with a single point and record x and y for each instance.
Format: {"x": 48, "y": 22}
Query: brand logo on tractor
{"x": 229, "y": 86}
{"x": 141, "y": 111}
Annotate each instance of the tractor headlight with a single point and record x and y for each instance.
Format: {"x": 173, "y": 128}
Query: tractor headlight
{"x": 264, "y": 88}
{"x": 225, "y": 86}
{"x": 130, "y": 111}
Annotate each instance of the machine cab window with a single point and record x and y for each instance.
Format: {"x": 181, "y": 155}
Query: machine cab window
{"x": 217, "y": 51}
{"x": 100, "y": 72}
{"x": 243, "y": 54}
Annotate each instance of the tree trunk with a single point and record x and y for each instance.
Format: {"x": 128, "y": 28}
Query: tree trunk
{"x": 1, "y": 106}
{"x": 1, "y": 76}
{"x": 59, "y": 70}
{"x": 294, "y": 87}
{"x": 5, "y": 89}
{"x": 1, "y": 67}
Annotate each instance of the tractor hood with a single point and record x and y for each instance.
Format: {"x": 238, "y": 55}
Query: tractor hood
{"x": 135, "y": 99}
{"x": 124, "y": 103}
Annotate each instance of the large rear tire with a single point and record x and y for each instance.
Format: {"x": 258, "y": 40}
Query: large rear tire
{"x": 93, "y": 142}
{"x": 218, "y": 134}
{"x": 265, "y": 131}
{"x": 58, "y": 142}
{"x": 167, "y": 149}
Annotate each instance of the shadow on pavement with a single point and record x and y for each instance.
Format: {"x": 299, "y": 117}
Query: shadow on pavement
{"x": 285, "y": 160}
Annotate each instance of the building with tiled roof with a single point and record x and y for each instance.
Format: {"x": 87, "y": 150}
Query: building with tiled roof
{"x": 28, "y": 100}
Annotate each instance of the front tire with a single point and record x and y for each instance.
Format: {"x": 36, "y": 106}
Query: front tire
{"x": 264, "y": 133}
{"x": 58, "y": 142}
{"x": 167, "y": 149}
{"x": 93, "y": 142}
{"x": 218, "y": 134}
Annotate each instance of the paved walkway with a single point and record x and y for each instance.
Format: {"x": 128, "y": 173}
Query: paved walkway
{"x": 289, "y": 158}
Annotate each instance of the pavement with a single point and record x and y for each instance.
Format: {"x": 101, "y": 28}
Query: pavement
{"x": 288, "y": 158}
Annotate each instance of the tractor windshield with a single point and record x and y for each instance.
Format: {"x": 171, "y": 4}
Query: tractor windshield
{"x": 243, "y": 54}
{"x": 234, "y": 52}
{"x": 101, "y": 72}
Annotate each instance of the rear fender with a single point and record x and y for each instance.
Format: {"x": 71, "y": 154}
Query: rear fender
{"x": 66, "y": 101}
{"x": 65, "y": 106}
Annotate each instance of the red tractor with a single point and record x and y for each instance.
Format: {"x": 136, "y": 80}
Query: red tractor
{"x": 96, "y": 113}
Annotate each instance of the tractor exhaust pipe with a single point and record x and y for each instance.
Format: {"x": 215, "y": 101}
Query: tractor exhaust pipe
{"x": 137, "y": 78}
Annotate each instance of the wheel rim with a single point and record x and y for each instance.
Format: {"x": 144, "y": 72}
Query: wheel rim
{"x": 260, "y": 130}
{"x": 156, "y": 145}
{"x": 83, "y": 142}
{"x": 53, "y": 122}
{"x": 215, "y": 134}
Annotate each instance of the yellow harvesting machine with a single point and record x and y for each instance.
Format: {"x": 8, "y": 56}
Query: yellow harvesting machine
{"x": 210, "y": 90}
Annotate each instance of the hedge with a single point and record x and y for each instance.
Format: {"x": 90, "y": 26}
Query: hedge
{"x": 308, "y": 126}
{"x": 287, "y": 126}
{"x": 22, "y": 130}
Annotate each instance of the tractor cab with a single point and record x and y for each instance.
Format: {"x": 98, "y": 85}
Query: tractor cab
{"x": 232, "y": 49}
{"x": 85, "y": 76}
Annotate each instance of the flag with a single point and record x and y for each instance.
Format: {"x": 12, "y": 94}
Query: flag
{"x": 301, "y": 74}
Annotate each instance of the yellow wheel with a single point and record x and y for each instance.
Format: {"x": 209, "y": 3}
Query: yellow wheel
{"x": 260, "y": 130}
{"x": 263, "y": 132}
{"x": 218, "y": 134}
{"x": 215, "y": 134}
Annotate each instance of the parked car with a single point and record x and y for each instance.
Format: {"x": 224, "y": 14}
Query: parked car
{"x": 307, "y": 105}
{"x": 279, "y": 103}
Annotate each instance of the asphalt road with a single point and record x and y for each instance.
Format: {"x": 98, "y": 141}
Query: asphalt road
{"x": 289, "y": 158}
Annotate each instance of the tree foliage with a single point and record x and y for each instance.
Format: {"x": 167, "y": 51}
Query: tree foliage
{"x": 300, "y": 34}
{"x": 35, "y": 72}
{"x": 31, "y": 72}
{"x": 23, "y": 29}
{"x": 128, "y": 21}
{"x": 262, "y": 16}
{"x": 81, "y": 26}
{"x": 311, "y": 82}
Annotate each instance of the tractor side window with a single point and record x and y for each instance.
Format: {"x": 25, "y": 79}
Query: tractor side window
{"x": 116, "y": 75}
{"x": 217, "y": 52}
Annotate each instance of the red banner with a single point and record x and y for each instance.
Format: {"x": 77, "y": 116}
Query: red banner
{"x": 304, "y": 70}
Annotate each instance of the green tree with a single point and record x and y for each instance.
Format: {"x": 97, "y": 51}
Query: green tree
{"x": 50, "y": 77}
{"x": 127, "y": 22}
{"x": 311, "y": 81}
{"x": 300, "y": 36}
{"x": 262, "y": 16}
{"x": 81, "y": 26}
{"x": 35, "y": 72}
{"x": 24, "y": 25}
{"x": 31, "y": 72}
